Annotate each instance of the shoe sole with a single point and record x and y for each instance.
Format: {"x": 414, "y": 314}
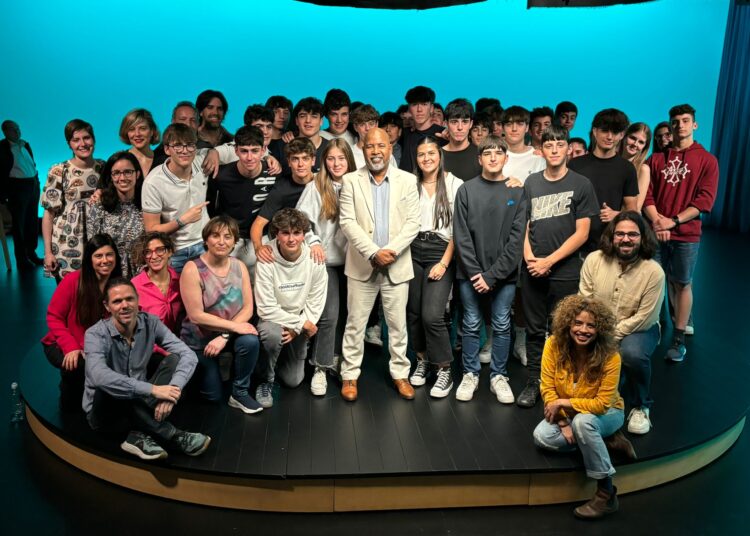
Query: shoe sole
{"x": 471, "y": 396}
{"x": 675, "y": 359}
{"x": 494, "y": 392}
{"x": 132, "y": 449}
{"x": 318, "y": 392}
{"x": 440, "y": 394}
{"x": 233, "y": 403}
{"x": 200, "y": 450}
{"x": 374, "y": 342}
{"x": 418, "y": 381}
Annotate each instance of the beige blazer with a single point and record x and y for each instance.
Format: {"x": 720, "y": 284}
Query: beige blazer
{"x": 357, "y": 219}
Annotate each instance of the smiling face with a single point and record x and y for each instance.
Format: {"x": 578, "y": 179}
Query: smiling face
{"x": 82, "y": 144}
{"x": 185, "y": 115}
{"x": 492, "y": 161}
{"x": 220, "y": 242}
{"x": 338, "y": 120}
{"x": 663, "y": 136}
{"x": 428, "y": 158}
{"x": 478, "y": 133}
{"x": 583, "y": 329}
{"x": 290, "y": 242}
{"x": 635, "y": 144}
{"x": 626, "y": 240}
{"x": 555, "y": 152}
{"x": 124, "y": 177}
{"x": 139, "y": 135}
{"x": 308, "y": 123}
{"x": 103, "y": 260}
{"x": 336, "y": 163}
{"x": 538, "y": 126}
{"x": 122, "y": 303}
{"x": 213, "y": 114}
{"x": 182, "y": 153}
{"x": 250, "y": 157}
{"x": 157, "y": 255}
{"x": 377, "y": 150}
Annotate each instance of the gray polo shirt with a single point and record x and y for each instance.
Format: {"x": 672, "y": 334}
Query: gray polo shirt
{"x": 119, "y": 369}
{"x": 380, "y": 199}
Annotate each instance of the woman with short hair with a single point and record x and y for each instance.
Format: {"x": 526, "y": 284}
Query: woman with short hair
{"x": 138, "y": 129}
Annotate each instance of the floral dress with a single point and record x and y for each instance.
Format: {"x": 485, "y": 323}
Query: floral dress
{"x": 65, "y": 195}
{"x": 124, "y": 224}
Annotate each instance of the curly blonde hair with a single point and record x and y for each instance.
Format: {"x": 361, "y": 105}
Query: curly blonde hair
{"x": 604, "y": 346}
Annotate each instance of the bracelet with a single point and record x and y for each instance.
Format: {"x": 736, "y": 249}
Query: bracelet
{"x": 441, "y": 263}
{"x": 179, "y": 223}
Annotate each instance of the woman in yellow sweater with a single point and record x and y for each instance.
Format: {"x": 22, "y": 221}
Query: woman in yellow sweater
{"x": 582, "y": 407}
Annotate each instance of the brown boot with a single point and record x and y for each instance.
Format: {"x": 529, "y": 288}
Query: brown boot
{"x": 601, "y": 504}
{"x": 617, "y": 442}
{"x": 349, "y": 390}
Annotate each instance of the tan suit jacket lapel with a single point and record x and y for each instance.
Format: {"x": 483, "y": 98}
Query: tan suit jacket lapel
{"x": 364, "y": 184}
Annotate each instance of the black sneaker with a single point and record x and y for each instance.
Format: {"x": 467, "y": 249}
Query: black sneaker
{"x": 143, "y": 446}
{"x": 191, "y": 443}
{"x": 529, "y": 395}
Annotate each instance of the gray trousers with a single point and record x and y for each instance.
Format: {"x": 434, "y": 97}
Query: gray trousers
{"x": 286, "y": 359}
{"x": 326, "y": 344}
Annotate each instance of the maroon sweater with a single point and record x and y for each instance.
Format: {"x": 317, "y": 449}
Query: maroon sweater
{"x": 682, "y": 179}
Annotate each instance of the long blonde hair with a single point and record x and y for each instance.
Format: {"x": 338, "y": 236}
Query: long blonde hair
{"x": 324, "y": 182}
{"x": 640, "y": 158}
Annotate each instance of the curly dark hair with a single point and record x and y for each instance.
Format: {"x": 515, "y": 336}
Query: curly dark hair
{"x": 604, "y": 345}
{"x": 649, "y": 244}
{"x": 288, "y": 218}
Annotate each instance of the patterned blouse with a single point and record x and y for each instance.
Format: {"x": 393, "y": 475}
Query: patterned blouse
{"x": 124, "y": 224}
{"x": 65, "y": 196}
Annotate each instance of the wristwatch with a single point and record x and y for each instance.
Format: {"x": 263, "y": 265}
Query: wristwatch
{"x": 225, "y": 336}
{"x": 676, "y": 221}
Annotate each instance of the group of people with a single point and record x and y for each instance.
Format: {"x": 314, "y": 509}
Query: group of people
{"x": 244, "y": 257}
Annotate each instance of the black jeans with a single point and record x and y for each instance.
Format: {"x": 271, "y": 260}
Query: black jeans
{"x": 540, "y": 295}
{"x": 23, "y": 199}
{"x": 117, "y": 416}
{"x": 71, "y": 381}
{"x": 425, "y": 311}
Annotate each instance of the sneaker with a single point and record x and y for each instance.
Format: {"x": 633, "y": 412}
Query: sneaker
{"x": 264, "y": 395}
{"x": 519, "y": 346}
{"x": 639, "y": 421}
{"x": 689, "y": 330}
{"x": 143, "y": 446}
{"x": 192, "y": 443}
{"x": 245, "y": 404}
{"x": 372, "y": 335}
{"x": 485, "y": 354}
{"x": 319, "y": 382}
{"x": 500, "y": 387}
{"x": 676, "y": 352}
{"x": 419, "y": 376}
{"x": 443, "y": 384}
{"x": 529, "y": 395}
{"x": 469, "y": 385}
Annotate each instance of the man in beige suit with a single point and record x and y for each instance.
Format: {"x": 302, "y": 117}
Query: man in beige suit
{"x": 379, "y": 214}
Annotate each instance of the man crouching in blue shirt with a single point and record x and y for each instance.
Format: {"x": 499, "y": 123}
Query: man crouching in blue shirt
{"x": 119, "y": 355}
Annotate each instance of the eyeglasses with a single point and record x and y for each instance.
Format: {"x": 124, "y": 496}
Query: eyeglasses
{"x": 127, "y": 173}
{"x": 632, "y": 234}
{"x": 159, "y": 252}
{"x": 183, "y": 147}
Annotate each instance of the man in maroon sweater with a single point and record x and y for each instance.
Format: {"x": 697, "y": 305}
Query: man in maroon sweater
{"x": 683, "y": 186}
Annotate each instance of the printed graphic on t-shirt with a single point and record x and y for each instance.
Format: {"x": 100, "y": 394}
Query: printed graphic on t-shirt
{"x": 292, "y": 286}
{"x": 675, "y": 172}
{"x": 551, "y": 206}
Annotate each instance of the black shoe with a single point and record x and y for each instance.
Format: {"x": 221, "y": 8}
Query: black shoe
{"x": 36, "y": 261}
{"x": 529, "y": 395}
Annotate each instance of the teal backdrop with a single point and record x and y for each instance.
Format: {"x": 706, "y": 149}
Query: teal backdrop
{"x": 97, "y": 60}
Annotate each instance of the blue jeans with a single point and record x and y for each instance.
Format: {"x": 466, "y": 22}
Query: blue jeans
{"x": 245, "y": 349}
{"x": 501, "y": 300}
{"x": 181, "y": 256}
{"x": 635, "y": 381}
{"x": 589, "y": 431}
{"x": 678, "y": 259}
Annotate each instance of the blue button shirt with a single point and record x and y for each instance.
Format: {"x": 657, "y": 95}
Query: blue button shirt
{"x": 380, "y": 201}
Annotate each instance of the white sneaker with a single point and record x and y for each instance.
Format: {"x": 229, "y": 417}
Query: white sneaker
{"x": 319, "y": 382}
{"x": 469, "y": 385}
{"x": 689, "y": 330}
{"x": 519, "y": 346}
{"x": 443, "y": 384}
{"x": 485, "y": 354}
{"x": 639, "y": 421}
{"x": 501, "y": 389}
{"x": 372, "y": 335}
{"x": 419, "y": 376}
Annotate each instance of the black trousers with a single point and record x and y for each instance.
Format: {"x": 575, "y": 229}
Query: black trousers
{"x": 23, "y": 199}
{"x": 71, "y": 381}
{"x": 540, "y": 296}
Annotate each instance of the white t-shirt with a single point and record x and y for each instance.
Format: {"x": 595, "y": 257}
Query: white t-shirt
{"x": 346, "y": 136}
{"x": 521, "y": 165}
{"x": 427, "y": 208}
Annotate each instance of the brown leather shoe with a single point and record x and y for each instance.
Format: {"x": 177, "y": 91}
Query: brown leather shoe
{"x": 617, "y": 442}
{"x": 601, "y": 504}
{"x": 405, "y": 390}
{"x": 349, "y": 390}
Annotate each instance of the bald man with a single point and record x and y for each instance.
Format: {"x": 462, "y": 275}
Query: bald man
{"x": 379, "y": 214}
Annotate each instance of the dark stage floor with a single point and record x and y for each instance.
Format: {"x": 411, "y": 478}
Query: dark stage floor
{"x": 51, "y": 497}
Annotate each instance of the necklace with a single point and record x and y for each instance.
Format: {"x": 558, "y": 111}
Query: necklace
{"x": 430, "y": 182}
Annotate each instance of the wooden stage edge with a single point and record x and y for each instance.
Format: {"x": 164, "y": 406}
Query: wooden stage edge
{"x": 378, "y": 493}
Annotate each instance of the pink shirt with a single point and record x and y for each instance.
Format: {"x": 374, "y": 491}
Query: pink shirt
{"x": 168, "y": 308}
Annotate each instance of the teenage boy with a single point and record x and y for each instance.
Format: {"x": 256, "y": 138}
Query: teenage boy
{"x": 578, "y": 147}
{"x": 481, "y": 128}
{"x": 405, "y": 115}
{"x": 393, "y": 126}
{"x": 174, "y": 194}
{"x": 614, "y": 178}
{"x": 282, "y": 109}
{"x": 459, "y": 156}
{"x": 521, "y": 161}
{"x": 566, "y": 114}
{"x": 420, "y": 100}
{"x": 184, "y": 112}
{"x": 308, "y": 117}
{"x": 290, "y": 293}
{"x": 684, "y": 180}
{"x": 561, "y": 205}
{"x": 489, "y": 224}
{"x": 336, "y": 107}
{"x": 364, "y": 119}
{"x": 241, "y": 188}
{"x": 300, "y": 154}
{"x": 438, "y": 115}
{"x": 539, "y": 120}
{"x": 212, "y": 107}
{"x": 120, "y": 394}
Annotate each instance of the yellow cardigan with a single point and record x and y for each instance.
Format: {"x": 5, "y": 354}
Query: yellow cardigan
{"x": 585, "y": 397}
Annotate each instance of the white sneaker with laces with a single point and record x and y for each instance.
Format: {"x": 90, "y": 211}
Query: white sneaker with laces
{"x": 467, "y": 388}
{"x": 443, "y": 384}
{"x": 639, "y": 421}
{"x": 372, "y": 335}
{"x": 319, "y": 382}
{"x": 500, "y": 387}
{"x": 419, "y": 376}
